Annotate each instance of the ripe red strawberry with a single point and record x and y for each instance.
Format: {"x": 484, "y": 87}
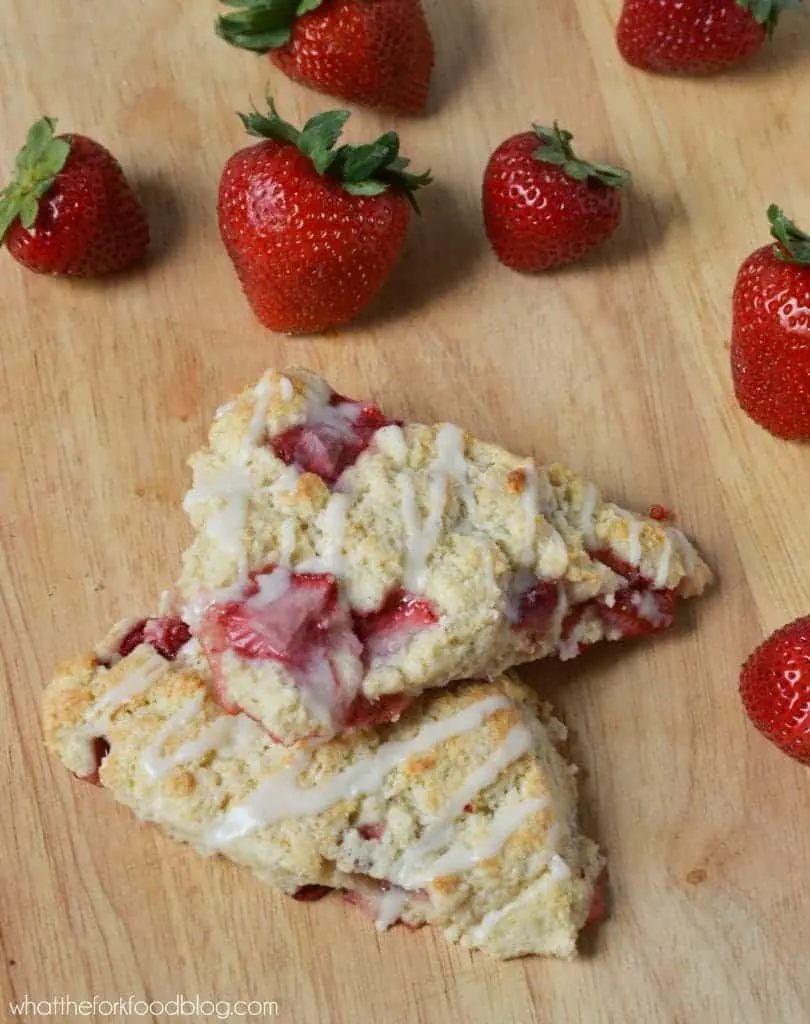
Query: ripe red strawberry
{"x": 770, "y": 335}
{"x": 694, "y": 37}
{"x": 378, "y": 53}
{"x": 543, "y": 206}
{"x": 775, "y": 689}
{"x": 314, "y": 231}
{"x": 70, "y": 210}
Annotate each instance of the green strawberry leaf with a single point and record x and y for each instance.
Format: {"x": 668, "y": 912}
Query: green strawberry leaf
{"x": 556, "y": 149}
{"x": 793, "y": 244}
{"x": 39, "y": 161}
{"x": 365, "y": 170}
{"x": 767, "y": 12}
{"x": 261, "y": 25}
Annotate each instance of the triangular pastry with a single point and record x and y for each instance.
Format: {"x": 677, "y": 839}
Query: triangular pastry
{"x": 462, "y": 814}
{"x": 344, "y": 563}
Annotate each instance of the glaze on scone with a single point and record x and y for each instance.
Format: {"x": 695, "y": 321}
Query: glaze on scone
{"x": 342, "y": 563}
{"x": 463, "y": 814}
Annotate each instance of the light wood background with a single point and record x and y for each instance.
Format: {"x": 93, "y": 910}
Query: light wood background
{"x": 618, "y": 365}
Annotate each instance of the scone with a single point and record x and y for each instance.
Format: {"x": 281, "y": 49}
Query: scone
{"x": 344, "y": 563}
{"x": 462, "y": 814}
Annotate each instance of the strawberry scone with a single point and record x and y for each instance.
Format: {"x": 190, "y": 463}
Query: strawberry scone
{"x": 343, "y": 562}
{"x": 462, "y": 814}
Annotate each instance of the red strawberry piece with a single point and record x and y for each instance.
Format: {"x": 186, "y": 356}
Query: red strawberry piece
{"x": 775, "y": 689}
{"x": 543, "y": 206}
{"x": 770, "y": 334}
{"x": 608, "y": 557}
{"x": 387, "y": 630}
{"x": 313, "y": 231}
{"x": 366, "y": 712}
{"x": 694, "y": 37}
{"x": 332, "y": 439}
{"x": 99, "y": 748}
{"x": 379, "y": 53}
{"x": 599, "y": 906}
{"x": 166, "y": 634}
{"x": 311, "y": 893}
{"x": 374, "y": 831}
{"x": 69, "y": 210}
{"x": 660, "y": 514}
{"x": 638, "y": 611}
{"x": 283, "y": 629}
{"x": 531, "y": 602}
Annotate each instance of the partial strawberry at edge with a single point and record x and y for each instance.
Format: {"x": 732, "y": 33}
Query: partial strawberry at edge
{"x": 69, "y": 210}
{"x": 695, "y": 37}
{"x": 380, "y": 53}
{"x": 770, "y": 337}
{"x": 330, "y": 444}
{"x": 775, "y": 689}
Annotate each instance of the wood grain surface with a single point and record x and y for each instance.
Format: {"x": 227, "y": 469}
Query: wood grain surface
{"x": 618, "y": 365}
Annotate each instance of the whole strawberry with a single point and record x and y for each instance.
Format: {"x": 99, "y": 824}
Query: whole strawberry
{"x": 695, "y": 37}
{"x": 775, "y": 689}
{"x": 543, "y": 206}
{"x": 70, "y": 210}
{"x": 376, "y": 52}
{"x": 770, "y": 334}
{"x": 314, "y": 231}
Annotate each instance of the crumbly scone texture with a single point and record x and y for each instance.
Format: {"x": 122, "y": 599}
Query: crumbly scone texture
{"x": 463, "y": 814}
{"x": 428, "y": 510}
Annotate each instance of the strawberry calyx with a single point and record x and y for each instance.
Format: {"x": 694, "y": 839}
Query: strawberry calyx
{"x": 793, "y": 243}
{"x": 766, "y": 12}
{"x": 37, "y": 164}
{"x": 262, "y": 25}
{"x": 556, "y": 149}
{"x": 366, "y": 170}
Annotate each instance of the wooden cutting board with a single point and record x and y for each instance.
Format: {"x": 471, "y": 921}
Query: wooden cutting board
{"x": 618, "y": 365}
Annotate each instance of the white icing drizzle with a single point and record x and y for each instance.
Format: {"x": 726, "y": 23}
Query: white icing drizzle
{"x": 391, "y": 441}
{"x": 225, "y": 408}
{"x": 589, "y": 500}
{"x": 461, "y": 857}
{"x": 529, "y": 501}
{"x": 224, "y": 735}
{"x": 272, "y": 586}
{"x": 286, "y": 389}
{"x": 545, "y": 492}
{"x": 258, "y": 421}
{"x": 226, "y": 526}
{"x": 488, "y": 565}
{"x": 149, "y": 668}
{"x": 450, "y": 460}
{"x": 558, "y": 869}
{"x": 421, "y": 536}
{"x": 634, "y": 527}
{"x": 287, "y": 481}
{"x": 332, "y": 521}
{"x": 391, "y": 906}
{"x": 280, "y": 796}
{"x": 662, "y": 572}
{"x": 540, "y": 887}
{"x": 440, "y": 833}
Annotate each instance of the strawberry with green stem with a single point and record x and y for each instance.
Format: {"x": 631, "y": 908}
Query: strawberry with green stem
{"x": 544, "y": 206}
{"x": 69, "y": 210}
{"x": 375, "y": 52}
{"x": 314, "y": 229}
{"x": 770, "y": 336}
